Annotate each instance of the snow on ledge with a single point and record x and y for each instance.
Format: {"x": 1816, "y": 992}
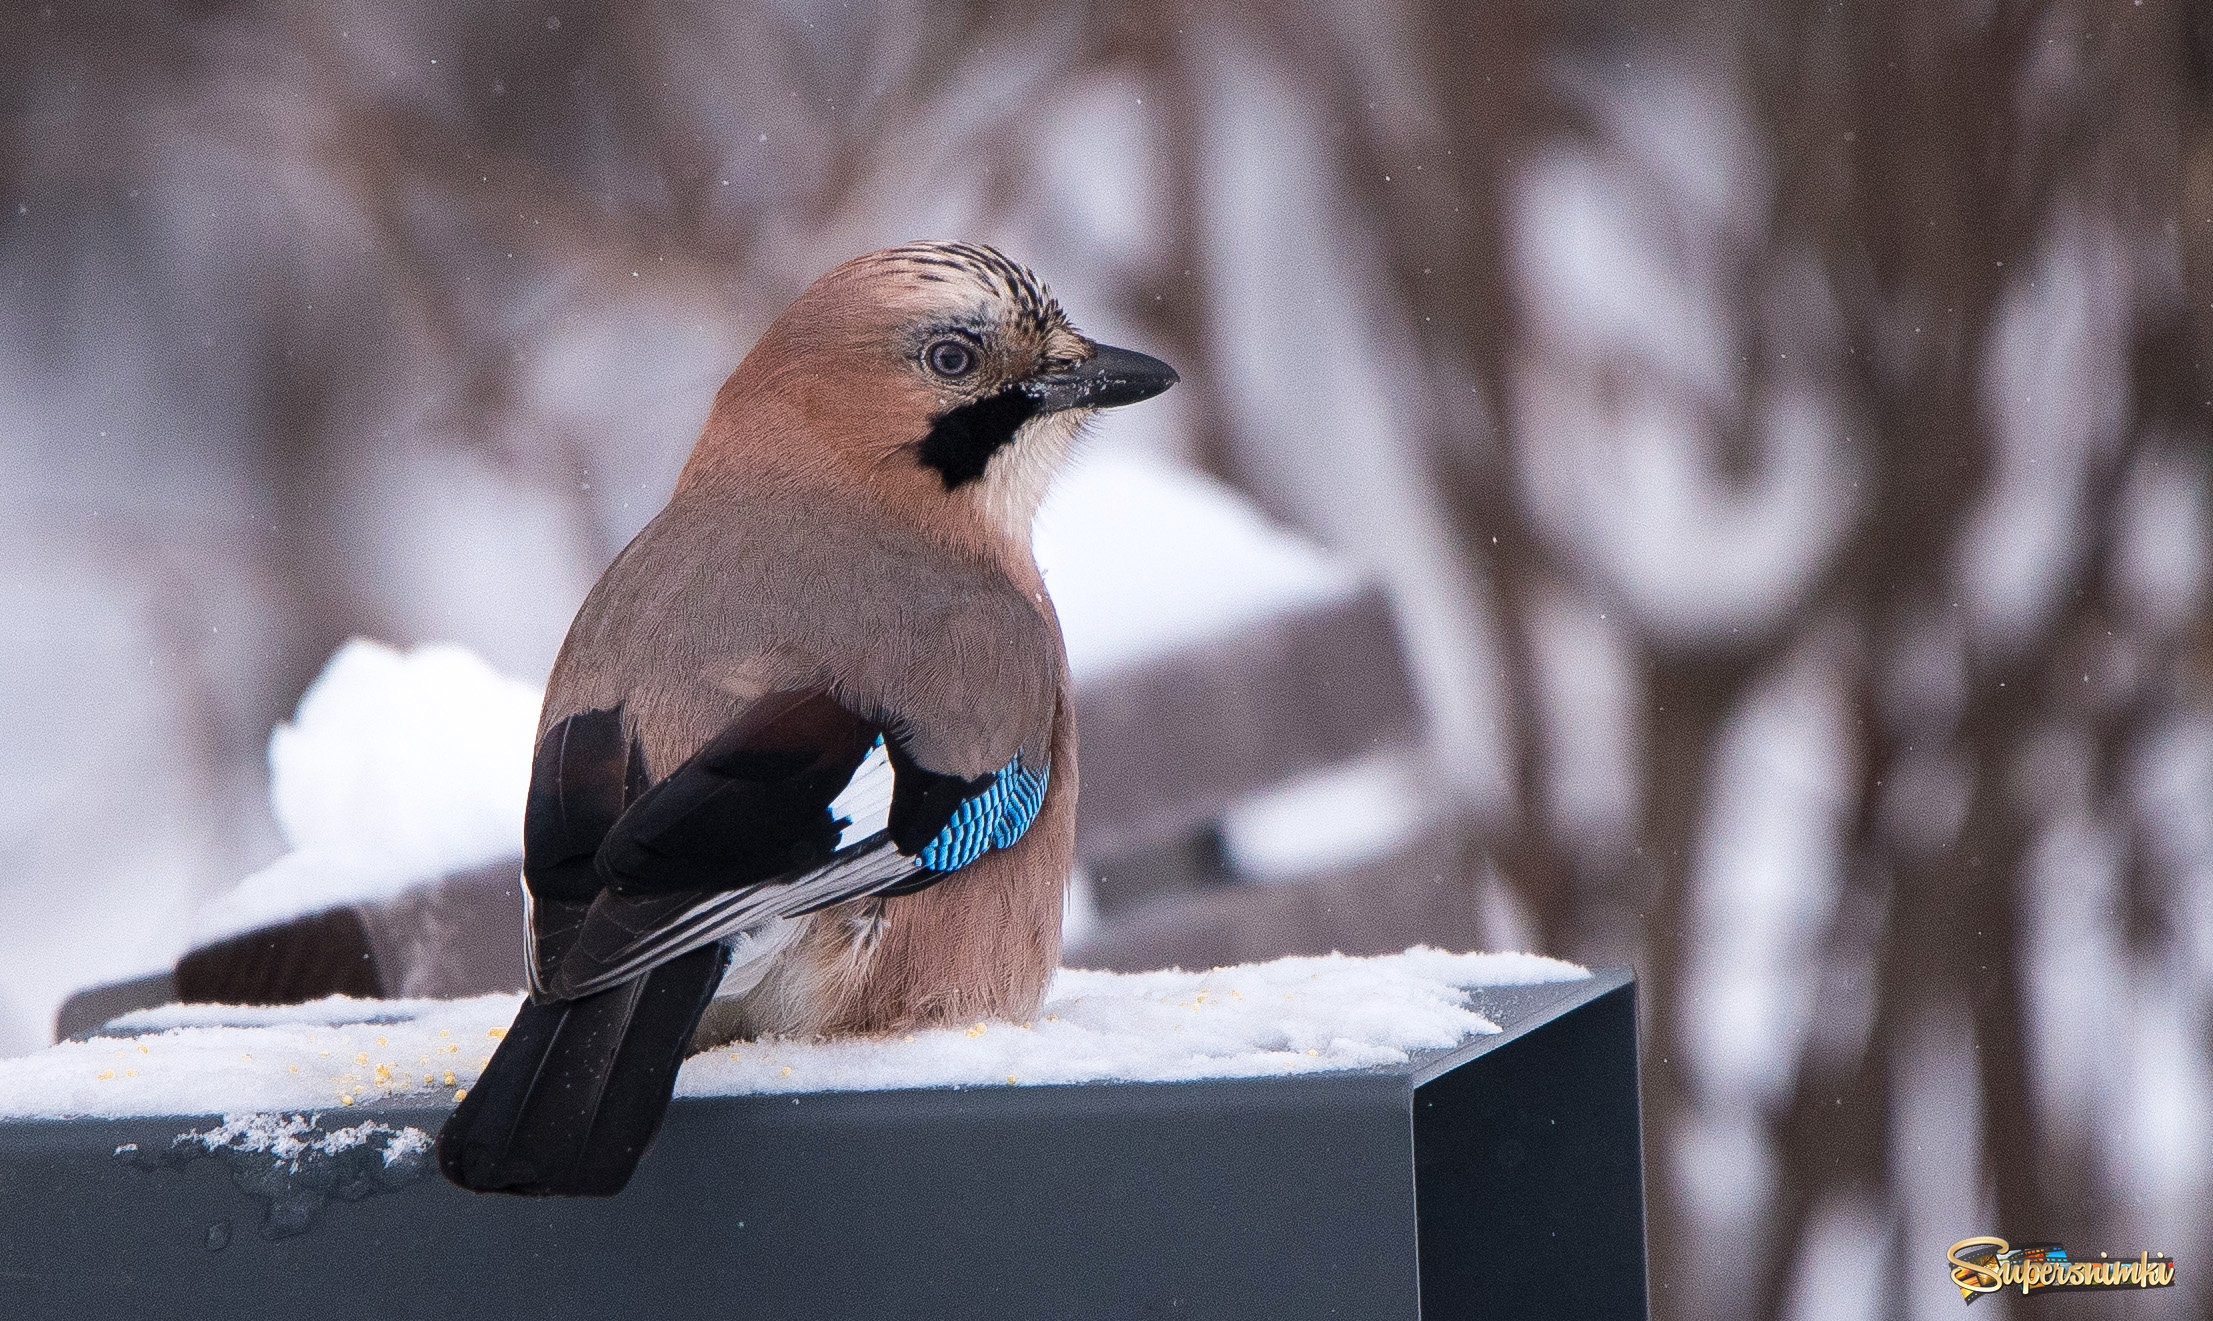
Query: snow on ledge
{"x": 1295, "y": 1015}
{"x": 293, "y": 1138}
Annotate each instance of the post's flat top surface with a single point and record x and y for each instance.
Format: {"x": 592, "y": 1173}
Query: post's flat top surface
{"x": 1286, "y": 1018}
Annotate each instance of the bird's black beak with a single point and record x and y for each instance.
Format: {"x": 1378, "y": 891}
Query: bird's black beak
{"x": 1107, "y": 379}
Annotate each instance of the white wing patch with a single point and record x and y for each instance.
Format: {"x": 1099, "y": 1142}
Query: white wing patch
{"x": 863, "y": 807}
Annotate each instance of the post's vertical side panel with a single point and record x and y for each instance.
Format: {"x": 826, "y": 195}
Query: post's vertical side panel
{"x": 1529, "y": 1174}
{"x": 1270, "y": 1199}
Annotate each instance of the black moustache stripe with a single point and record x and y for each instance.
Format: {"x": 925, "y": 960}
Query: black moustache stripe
{"x": 962, "y": 440}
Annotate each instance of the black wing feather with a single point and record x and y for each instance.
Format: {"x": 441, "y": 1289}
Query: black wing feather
{"x": 924, "y": 801}
{"x": 583, "y": 776}
{"x": 751, "y": 805}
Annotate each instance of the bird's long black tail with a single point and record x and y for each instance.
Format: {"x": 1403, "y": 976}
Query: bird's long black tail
{"x": 576, "y": 1091}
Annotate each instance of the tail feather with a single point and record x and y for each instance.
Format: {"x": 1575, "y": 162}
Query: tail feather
{"x": 577, "y": 1090}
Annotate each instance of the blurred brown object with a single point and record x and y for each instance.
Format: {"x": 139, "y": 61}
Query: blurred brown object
{"x": 458, "y": 935}
{"x": 1170, "y": 743}
{"x": 1419, "y": 895}
{"x": 304, "y": 959}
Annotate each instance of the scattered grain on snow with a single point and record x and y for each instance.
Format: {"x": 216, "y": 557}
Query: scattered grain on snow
{"x": 1299, "y": 1015}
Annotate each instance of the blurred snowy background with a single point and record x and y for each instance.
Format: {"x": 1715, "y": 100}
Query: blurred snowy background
{"x": 1780, "y": 429}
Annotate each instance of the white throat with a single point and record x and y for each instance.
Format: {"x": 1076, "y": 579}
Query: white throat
{"x": 1017, "y": 477}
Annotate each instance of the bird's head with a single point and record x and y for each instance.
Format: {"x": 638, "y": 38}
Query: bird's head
{"x": 945, "y": 374}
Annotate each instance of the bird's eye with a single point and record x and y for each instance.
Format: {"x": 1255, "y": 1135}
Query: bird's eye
{"x": 950, "y": 358}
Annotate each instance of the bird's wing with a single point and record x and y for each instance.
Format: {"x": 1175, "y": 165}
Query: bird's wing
{"x": 753, "y": 804}
{"x": 797, "y": 806}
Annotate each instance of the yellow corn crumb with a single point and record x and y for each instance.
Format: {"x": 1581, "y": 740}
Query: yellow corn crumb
{"x": 130, "y": 1073}
{"x": 344, "y": 1099}
{"x": 380, "y": 1041}
{"x": 106, "y": 1074}
{"x": 495, "y": 1032}
{"x": 449, "y": 1077}
{"x": 143, "y": 1051}
{"x": 384, "y": 1074}
{"x": 461, "y": 1094}
{"x": 908, "y": 1037}
{"x": 975, "y": 1031}
{"x": 785, "y": 1072}
{"x": 1315, "y": 1053}
{"x": 361, "y": 1058}
{"x": 1052, "y": 1018}
{"x": 326, "y": 1054}
{"x": 294, "y": 1067}
{"x": 442, "y": 1032}
{"x": 428, "y": 1080}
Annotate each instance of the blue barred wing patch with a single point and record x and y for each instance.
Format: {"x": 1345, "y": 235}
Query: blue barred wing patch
{"x": 993, "y": 819}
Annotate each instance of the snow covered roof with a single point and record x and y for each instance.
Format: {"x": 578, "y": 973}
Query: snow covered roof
{"x": 1294, "y": 1015}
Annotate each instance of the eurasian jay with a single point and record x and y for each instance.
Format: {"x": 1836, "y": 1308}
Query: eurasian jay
{"x": 806, "y": 763}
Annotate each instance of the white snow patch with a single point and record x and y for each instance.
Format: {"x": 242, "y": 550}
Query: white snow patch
{"x": 227, "y": 1059}
{"x": 1296, "y": 1015}
{"x": 289, "y": 1137}
{"x": 330, "y": 1011}
{"x": 397, "y": 768}
{"x": 1144, "y": 558}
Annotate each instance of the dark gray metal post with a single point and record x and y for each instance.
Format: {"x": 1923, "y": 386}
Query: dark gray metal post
{"x": 1500, "y": 1179}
